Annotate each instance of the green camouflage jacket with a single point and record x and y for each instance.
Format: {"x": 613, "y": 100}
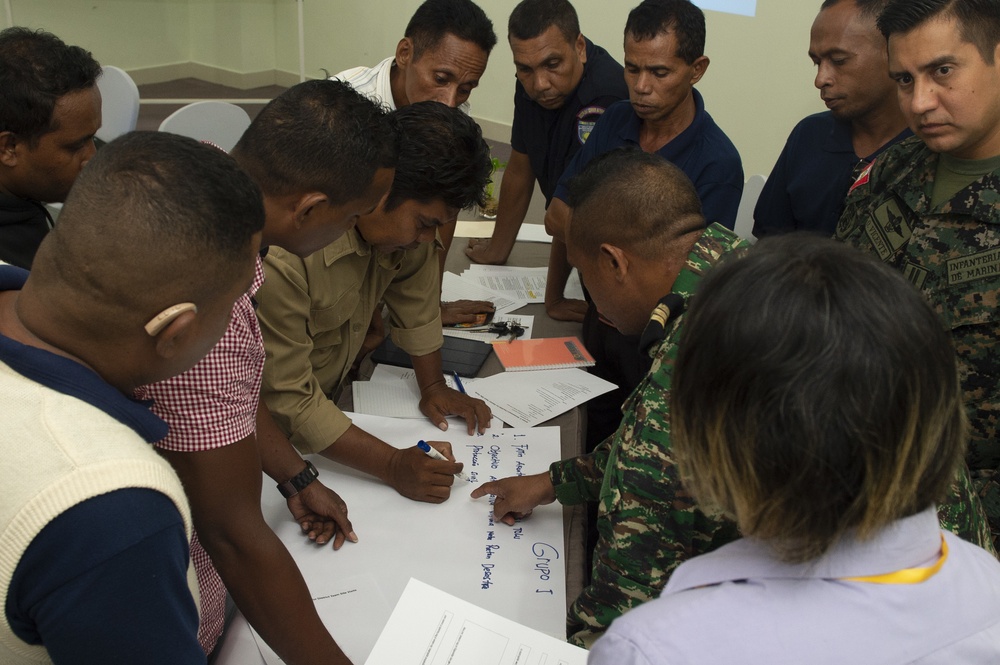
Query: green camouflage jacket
{"x": 647, "y": 522}
{"x": 951, "y": 253}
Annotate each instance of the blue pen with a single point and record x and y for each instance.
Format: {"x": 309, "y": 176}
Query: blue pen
{"x": 458, "y": 383}
{"x": 434, "y": 453}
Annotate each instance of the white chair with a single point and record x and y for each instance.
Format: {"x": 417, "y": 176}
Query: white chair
{"x": 744, "y": 215}
{"x": 218, "y": 122}
{"x": 119, "y": 103}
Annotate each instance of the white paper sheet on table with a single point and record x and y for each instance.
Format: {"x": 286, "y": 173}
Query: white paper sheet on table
{"x": 533, "y": 233}
{"x": 392, "y": 392}
{"x": 525, "y": 399}
{"x": 526, "y": 284}
{"x": 484, "y": 229}
{"x": 454, "y": 546}
{"x": 340, "y": 608}
{"x": 455, "y": 287}
{"x": 431, "y": 627}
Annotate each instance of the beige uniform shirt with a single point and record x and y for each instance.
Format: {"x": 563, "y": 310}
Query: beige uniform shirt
{"x": 314, "y": 314}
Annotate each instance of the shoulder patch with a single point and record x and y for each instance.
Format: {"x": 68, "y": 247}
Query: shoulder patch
{"x": 585, "y": 121}
{"x": 863, "y": 178}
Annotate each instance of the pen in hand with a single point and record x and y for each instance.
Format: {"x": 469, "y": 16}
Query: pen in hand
{"x": 458, "y": 384}
{"x": 434, "y": 453}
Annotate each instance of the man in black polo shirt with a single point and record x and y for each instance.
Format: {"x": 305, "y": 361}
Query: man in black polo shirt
{"x": 50, "y": 109}
{"x": 564, "y": 83}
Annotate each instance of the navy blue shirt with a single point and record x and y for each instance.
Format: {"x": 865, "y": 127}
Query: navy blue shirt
{"x": 551, "y": 138}
{"x": 702, "y": 151}
{"x": 23, "y": 226}
{"x": 809, "y": 182}
{"x": 106, "y": 580}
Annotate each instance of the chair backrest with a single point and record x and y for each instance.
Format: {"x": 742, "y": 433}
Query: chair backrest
{"x": 744, "y": 215}
{"x": 221, "y": 123}
{"x": 119, "y": 103}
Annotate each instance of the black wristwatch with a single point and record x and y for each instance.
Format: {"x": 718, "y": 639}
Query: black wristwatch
{"x": 297, "y": 483}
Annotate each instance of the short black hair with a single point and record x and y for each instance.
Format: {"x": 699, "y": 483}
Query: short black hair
{"x": 154, "y": 217}
{"x": 442, "y": 155}
{"x": 531, "y": 18}
{"x": 36, "y": 69}
{"x": 436, "y": 18}
{"x": 815, "y": 391}
{"x": 978, "y": 20}
{"x": 684, "y": 19}
{"x": 318, "y": 136}
{"x": 633, "y": 199}
{"x": 869, "y": 9}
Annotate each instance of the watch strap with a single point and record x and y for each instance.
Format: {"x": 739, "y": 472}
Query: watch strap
{"x": 298, "y": 482}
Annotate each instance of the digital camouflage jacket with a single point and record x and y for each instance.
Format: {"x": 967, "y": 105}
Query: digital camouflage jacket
{"x": 952, "y": 254}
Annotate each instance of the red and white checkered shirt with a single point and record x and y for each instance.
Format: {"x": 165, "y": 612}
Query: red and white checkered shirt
{"x": 214, "y": 404}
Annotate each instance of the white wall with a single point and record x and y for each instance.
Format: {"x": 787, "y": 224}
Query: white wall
{"x": 758, "y": 85}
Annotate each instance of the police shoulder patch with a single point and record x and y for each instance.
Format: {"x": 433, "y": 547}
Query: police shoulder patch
{"x": 586, "y": 118}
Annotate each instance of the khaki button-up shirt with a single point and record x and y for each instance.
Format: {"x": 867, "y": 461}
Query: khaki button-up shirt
{"x": 314, "y": 314}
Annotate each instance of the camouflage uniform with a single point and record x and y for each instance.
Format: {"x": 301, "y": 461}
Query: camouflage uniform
{"x": 647, "y": 522}
{"x": 951, "y": 253}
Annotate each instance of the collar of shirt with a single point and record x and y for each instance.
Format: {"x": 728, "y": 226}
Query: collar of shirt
{"x": 676, "y": 147}
{"x": 585, "y": 88}
{"x": 71, "y": 378}
{"x": 839, "y": 140}
{"x": 906, "y": 543}
{"x": 17, "y": 210}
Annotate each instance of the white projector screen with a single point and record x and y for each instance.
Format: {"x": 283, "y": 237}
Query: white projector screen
{"x": 743, "y": 7}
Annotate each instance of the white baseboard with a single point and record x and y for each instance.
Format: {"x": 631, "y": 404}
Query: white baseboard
{"x": 493, "y": 130}
{"x": 218, "y": 75}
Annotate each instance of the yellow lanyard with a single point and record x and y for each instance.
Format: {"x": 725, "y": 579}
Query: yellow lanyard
{"x": 906, "y": 575}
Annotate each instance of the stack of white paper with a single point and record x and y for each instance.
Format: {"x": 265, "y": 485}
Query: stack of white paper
{"x": 526, "y": 284}
{"x": 525, "y": 399}
{"x": 392, "y": 392}
{"x": 431, "y": 627}
{"x": 454, "y": 287}
{"x": 484, "y": 229}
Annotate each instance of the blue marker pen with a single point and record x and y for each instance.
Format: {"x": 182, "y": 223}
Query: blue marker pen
{"x": 458, "y": 383}
{"x": 434, "y": 453}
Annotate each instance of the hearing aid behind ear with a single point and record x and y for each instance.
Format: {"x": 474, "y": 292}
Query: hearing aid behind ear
{"x": 163, "y": 319}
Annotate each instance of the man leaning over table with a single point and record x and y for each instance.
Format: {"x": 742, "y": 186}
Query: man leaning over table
{"x": 564, "y": 84}
{"x": 640, "y": 275}
{"x": 664, "y": 60}
{"x": 315, "y": 311}
{"x": 220, "y": 433}
{"x": 441, "y": 57}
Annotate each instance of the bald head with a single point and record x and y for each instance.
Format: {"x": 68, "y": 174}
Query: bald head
{"x": 155, "y": 219}
{"x": 634, "y": 200}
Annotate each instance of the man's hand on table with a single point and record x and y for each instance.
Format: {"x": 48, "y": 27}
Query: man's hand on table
{"x": 417, "y": 476}
{"x": 487, "y": 252}
{"x": 322, "y": 514}
{"x": 465, "y": 311}
{"x": 517, "y": 496}
{"x": 439, "y": 401}
{"x": 566, "y": 309}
